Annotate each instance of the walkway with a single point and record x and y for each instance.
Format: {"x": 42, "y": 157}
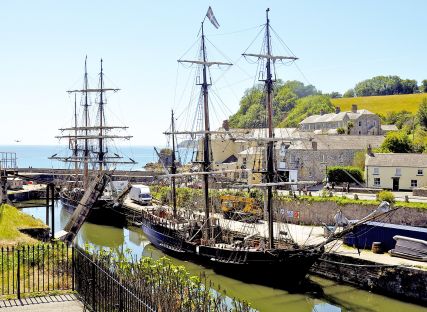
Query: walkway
{"x": 60, "y": 303}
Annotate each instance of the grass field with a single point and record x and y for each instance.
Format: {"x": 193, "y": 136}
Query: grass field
{"x": 11, "y": 219}
{"x": 382, "y": 104}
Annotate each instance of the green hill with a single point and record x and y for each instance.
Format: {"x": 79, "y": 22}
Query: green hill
{"x": 382, "y": 104}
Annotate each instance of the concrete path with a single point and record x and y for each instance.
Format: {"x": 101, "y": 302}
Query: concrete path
{"x": 61, "y": 303}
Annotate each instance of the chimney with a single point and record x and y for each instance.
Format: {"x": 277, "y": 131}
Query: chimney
{"x": 354, "y": 108}
{"x": 337, "y": 110}
{"x": 369, "y": 151}
{"x": 314, "y": 145}
{"x": 226, "y": 125}
{"x": 321, "y": 112}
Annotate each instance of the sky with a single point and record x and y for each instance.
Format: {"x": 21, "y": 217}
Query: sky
{"x": 44, "y": 44}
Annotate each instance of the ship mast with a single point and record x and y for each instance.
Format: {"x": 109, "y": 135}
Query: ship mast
{"x": 270, "y": 145}
{"x": 173, "y": 167}
{"x": 206, "y": 139}
{"x": 206, "y": 135}
{"x": 86, "y": 124}
{"x": 270, "y": 60}
{"x": 81, "y": 152}
{"x": 101, "y": 119}
{"x": 76, "y": 148}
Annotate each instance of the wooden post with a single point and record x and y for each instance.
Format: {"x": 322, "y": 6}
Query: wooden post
{"x": 3, "y": 186}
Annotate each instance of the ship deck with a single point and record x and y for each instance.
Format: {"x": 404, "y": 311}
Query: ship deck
{"x": 302, "y": 234}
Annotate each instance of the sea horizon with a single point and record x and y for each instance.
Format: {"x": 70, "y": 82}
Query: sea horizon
{"x": 37, "y": 156}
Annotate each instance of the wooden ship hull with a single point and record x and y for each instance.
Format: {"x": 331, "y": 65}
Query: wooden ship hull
{"x": 281, "y": 267}
{"x": 103, "y": 212}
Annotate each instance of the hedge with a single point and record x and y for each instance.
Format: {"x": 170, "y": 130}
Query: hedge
{"x": 340, "y": 174}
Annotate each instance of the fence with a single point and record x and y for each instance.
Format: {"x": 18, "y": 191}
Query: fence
{"x": 102, "y": 290}
{"x": 35, "y": 269}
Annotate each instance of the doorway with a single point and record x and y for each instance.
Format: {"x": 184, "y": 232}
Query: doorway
{"x": 395, "y": 184}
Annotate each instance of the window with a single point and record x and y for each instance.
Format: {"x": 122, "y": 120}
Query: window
{"x": 398, "y": 172}
{"x": 360, "y": 123}
{"x": 420, "y": 172}
{"x": 414, "y": 183}
{"x": 360, "y": 132}
{"x": 375, "y": 123}
{"x": 377, "y": 181}
{"x": 376, "y": 171}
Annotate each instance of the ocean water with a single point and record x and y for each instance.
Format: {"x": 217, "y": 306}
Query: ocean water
{"x": 36, "y": 156}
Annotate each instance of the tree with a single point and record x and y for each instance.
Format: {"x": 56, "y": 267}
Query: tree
{"x": 350, "y": 125}
{"x": 385, "y": 85}
{"x": 349, "y": 93}
{"x": 340, "y": 130}
{"x": 423, "y": 87}
{"x": 307, "y": 106}
{"x": 397, "y": 142}
{"x": 399, "y": 119}
{"x": 252, "y": 111}
{"x": 422, "y": 114}
{"x": 359, "y": 160}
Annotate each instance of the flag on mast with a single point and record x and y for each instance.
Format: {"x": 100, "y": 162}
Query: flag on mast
{"x": 212, "y": 18}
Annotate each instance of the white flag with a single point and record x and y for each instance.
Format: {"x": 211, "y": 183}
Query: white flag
{"x": 212, "y": 18}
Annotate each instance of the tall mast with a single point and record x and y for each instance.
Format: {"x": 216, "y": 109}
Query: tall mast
{"x": 173, "y": 167}
{"x": 86, "y": 122}
{"x": 206, "y": 140}
{"x": 76, "y": 148}
{"x": 269, "y": 106}
{"x": 101, "y": 119}
{"x": 270, "y": 144}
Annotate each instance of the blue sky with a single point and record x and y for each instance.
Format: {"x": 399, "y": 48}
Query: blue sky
{"x": 43, "y": 45}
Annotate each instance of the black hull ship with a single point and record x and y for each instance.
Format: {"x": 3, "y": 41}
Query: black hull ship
{"x": 202, "y": 239}
{"x": 90, "y": 155}
{"x": 228, "y": 246}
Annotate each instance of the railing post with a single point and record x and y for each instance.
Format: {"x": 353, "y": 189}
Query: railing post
{"x": 73, "y": 271}
{"x": 120, "y": 298}
{"x": 18, "y": 275}
{"x": 93, "y": 286}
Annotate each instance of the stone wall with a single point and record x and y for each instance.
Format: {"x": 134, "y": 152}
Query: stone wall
{"x": 394, "y": 281}
{"x": 316, "y": 213}
{"x": 422, "y": 191}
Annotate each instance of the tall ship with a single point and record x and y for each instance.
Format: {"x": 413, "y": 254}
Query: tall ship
{"x": 89, "y": 152}
{"x": 268, "y": 257}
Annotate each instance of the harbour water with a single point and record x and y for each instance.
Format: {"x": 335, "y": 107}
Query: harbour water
{"x": 37, "y": 156}
{"x": 322, "y": 295}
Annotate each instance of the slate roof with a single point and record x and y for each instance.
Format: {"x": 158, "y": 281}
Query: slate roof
{"x": 397, "y": 160}
{"x": 339, "y": 142}
{"x": 389, "y": 128}
{"x": 332, "y": 117}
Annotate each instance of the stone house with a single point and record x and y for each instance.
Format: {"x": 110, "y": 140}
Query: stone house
{"x": 307, "y": 160}
{"x": 359, "y": 122}
{"x": 396, "y": 171}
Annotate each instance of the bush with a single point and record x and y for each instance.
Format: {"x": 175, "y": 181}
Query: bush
{"x": 340, "y": 130}
{"x": 340, "y": 174}
{"x": 386, "y": 196}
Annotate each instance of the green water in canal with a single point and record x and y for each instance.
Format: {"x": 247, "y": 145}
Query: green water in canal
{"x": 322, "y": 295}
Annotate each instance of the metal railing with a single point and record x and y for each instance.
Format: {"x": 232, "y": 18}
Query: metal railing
{"x": 100, "y": 289}
{"x": 35, "y": 269}
{"x": 46, "y": 268}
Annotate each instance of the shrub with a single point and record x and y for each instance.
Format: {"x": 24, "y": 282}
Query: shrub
{"x": 340, "y": 174}
{"x": 340, "y": 130}
{"x": 386, "y": 196}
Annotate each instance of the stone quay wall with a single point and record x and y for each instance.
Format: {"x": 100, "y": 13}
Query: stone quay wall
{"x": 409, "y": 284}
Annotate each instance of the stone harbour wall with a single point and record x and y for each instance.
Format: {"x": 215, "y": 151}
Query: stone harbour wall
{"x": 317, "y": 213}
{"x": 409, "y": 284}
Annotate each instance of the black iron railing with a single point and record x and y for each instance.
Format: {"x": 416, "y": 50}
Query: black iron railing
{"x": 35, "y": 269}
{"x": 100, "y": 289}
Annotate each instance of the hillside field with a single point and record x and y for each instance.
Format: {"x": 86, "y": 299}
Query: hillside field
{"x": 382, "y": 104}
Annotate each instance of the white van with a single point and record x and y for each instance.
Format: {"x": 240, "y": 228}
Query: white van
{"x": 140, "y": 194}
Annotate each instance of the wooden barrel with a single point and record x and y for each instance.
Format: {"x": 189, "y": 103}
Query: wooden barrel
{"x": 376, "y": 248}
